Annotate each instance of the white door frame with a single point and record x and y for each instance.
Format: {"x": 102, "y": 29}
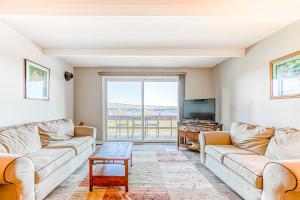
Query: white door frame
{"x": 142, "y": 79}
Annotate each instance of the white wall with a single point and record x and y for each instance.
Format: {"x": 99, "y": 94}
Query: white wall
{"x": 14, "y": 108}
{"x": 242, "y": 85}
{"x": 87, "y": 90}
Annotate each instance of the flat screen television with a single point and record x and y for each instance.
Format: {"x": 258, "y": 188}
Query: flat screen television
{"x": 199, "y": 109}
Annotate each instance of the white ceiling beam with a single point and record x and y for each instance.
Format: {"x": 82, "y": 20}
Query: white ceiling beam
{"x": 218, "y": 52}
{"x": 254, "y": 8}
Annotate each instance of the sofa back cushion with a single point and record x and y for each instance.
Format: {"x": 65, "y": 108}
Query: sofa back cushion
{"x": 56, "y": 131}
{"x": 20, "y": 139}
{"x": 285, "y": 145}
{"x": 251, "y": 137}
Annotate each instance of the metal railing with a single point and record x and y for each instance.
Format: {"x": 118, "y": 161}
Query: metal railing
{"x": 132, "y": 123}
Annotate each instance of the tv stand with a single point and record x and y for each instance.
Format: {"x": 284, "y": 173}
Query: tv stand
{"x": 189, "y": 130}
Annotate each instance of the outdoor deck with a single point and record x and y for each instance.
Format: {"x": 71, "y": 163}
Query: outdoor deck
{"x": 156, "y": 128}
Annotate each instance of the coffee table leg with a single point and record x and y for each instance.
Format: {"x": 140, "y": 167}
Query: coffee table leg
{"x": 91, "y": 175}
{"x": 126, "y": 175}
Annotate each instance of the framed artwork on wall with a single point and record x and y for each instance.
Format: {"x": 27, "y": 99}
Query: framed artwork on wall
{"x": 37, "y": 79}
{"x": 285, "y": 76}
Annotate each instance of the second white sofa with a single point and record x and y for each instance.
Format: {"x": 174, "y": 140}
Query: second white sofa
{"x": 255, "y": 161}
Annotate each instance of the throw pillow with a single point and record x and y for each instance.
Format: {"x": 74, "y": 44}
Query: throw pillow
{"x": 56, "y": 131}
{"x": 21, "y": 140}
{"x": 285, "y": 145}
{"x": 251, "y": 137}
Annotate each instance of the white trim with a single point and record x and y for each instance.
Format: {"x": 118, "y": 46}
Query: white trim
{"x": 133, "y": 8}
{"x": 200, "y": 53}
{"x": 99, "y": 142}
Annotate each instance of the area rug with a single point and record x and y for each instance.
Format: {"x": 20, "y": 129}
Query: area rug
{"x": 155, "y": 176}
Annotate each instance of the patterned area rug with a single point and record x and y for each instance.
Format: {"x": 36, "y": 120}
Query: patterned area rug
{"x": 165, "y": 175}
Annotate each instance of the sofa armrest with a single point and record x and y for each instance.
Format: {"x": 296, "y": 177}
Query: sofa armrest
{"x": 213, "y": 138}
{"x": 18, "y": 170}
{"x": 280, "y": 177}
{"x": 81, "y": 131}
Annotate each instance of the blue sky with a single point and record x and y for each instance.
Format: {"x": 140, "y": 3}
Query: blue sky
{"x": 156, "y": 93}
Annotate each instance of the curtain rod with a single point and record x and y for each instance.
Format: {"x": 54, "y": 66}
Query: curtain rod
{"x": 141, "y": 73}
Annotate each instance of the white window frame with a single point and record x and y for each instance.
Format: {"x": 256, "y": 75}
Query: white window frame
{"x": 142, "y": 79}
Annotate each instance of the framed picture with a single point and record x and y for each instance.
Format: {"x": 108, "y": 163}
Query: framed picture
{"x": 36, "y": 81}
{"x": 285, "y": 76}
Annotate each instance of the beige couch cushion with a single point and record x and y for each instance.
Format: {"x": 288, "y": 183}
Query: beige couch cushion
{"x": 20, "y": 139}
{"x": 77, "y": 143}
{"x": 285, "y": 145}
{"x": 219, "y": 151}
{"x": 250, "y": 167}
{"x": 55, "y": 131}
{"x": 251, "y": 137}
{"x": 47, "y": 161}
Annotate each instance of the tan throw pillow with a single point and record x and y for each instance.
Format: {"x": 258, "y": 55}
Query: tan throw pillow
{"x": 56, "y": 131}
{"x": 251, "y": 137}
{"x": 285, "y": 145}
{"x": 21, "y": 140}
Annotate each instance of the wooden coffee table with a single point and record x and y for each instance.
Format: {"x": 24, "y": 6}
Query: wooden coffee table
{"x": 115, "y": 157}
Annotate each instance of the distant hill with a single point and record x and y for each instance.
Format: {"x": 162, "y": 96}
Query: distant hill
{"x": 130, "y": 110}
{"x": 150, "y": 107}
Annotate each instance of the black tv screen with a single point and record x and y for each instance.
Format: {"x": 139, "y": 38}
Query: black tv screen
{"x": 199, "y": 109}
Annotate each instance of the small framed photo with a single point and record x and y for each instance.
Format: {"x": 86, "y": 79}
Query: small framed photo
{"x": 37, "y": 79}
{"x": 285, "y": 76}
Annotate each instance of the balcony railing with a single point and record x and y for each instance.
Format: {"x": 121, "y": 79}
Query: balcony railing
{"x": 130, "y": 127}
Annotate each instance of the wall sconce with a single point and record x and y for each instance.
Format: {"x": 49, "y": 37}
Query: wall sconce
{"x": 68, "y": 76}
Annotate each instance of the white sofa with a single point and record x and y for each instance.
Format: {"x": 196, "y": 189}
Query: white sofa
{"x": 30, "y": 170}
{"x": 255, "y": 166}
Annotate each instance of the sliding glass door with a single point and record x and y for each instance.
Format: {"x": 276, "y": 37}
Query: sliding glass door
{"x": 124, "y": 110}
{"x": 141, "y": 108}
{"x": 160, "y": 110}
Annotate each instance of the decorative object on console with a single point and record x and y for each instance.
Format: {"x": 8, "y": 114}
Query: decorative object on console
{"x": 37, "y": 78}
{"x": 68, "y": 76}
{"x": 190, "y": 130}
{"x": 82, "y": 124}
{"x": 285, "y": 76}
